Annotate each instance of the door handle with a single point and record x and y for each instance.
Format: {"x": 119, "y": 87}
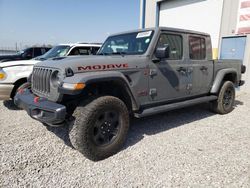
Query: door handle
{"x": 203, "y": 68}
{"x": 181, "y": 69}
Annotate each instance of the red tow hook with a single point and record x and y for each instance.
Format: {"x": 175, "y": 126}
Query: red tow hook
{"x": 21, "y": 91}
{"x": 36, "y": 99}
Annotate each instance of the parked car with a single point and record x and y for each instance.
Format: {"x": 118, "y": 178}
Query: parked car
{"x": 13, "y": 74}
{"x": 138, "y": 73}
{"x": 26, "y": 54}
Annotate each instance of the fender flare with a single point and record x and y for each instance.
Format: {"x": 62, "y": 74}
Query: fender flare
{"x": 95, "y": 77}
{"x": 219, "y": 78}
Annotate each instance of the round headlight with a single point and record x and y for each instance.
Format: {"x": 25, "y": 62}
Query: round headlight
{"x": 55, "y": 80}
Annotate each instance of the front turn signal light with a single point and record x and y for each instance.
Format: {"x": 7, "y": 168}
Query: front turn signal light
{"x": 78, "y": 86}
{"x": 2, "y": 75}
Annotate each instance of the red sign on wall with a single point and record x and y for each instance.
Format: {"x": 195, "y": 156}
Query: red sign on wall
{"x": 243, "y": 26}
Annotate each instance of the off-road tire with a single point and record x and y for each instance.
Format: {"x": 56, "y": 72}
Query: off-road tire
{"x": 86, "y": 117}
{"x": 219, "y": 106}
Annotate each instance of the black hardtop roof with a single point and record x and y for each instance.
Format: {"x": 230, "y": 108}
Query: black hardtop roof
{"x": 165, "y": 29}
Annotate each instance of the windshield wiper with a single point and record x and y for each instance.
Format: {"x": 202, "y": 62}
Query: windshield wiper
{"x": 113, "y": 53}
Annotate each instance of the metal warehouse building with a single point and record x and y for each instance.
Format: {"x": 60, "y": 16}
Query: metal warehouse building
{"x": 227, "y": 21}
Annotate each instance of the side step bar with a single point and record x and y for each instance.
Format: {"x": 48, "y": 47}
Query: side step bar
{"x": 173, "y": 106}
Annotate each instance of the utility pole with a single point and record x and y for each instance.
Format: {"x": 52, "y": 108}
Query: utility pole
{"x": 16, "y": 46}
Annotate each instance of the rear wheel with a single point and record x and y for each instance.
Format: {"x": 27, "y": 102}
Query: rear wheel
{"x": 224, "y": 103}
{"x": 100, "y": 127}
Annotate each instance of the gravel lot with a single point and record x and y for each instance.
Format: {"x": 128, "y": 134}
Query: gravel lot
{"x": 188, "y": 147}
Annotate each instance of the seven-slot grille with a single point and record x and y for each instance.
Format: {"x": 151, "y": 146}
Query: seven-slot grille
{"x": 41, "y": 80}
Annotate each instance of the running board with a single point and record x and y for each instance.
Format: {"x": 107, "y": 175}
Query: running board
{"x": 173, "y": 106}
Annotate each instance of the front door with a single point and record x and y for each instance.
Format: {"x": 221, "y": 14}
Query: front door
{"x": 170, "y": 78}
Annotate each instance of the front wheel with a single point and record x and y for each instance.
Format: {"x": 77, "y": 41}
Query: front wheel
{"x": 224, "y": 103}
{"x": 100, "y": 127}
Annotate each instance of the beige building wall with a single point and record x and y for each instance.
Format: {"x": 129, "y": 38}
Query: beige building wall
{"x": 229, "y": 17}
{"x": 150, "y": 16}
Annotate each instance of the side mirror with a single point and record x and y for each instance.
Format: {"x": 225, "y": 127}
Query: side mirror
{"x": 162, "y": 52}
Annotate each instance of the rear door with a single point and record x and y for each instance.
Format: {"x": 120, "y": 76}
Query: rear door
{"x": 202, "y": 65}
{"x": 169, "y": 78}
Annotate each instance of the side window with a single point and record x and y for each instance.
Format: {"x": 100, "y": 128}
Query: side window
{"x": 84, "y": 50}
{"x": 175, "y": 45}
{"x": 28, "y": 53}
{"x": 47, "y": 49}
{"x": 43, "y": 50}
{"x": 94, "y": 50}
{"x": 197, "y": 48}
{"x": 37, "y": 52}
{"x": 80, "y": 51}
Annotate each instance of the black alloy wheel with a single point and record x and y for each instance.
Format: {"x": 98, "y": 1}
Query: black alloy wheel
{"x": 106, "y": 128}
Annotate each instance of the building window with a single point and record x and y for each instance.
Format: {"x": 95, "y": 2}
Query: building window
{"x": 197, "y": 48}
{"x": 175, "y": 45}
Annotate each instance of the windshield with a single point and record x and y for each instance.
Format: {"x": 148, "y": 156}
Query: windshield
{"x": 129, "y": 44}
{"x": 57, "y": 51}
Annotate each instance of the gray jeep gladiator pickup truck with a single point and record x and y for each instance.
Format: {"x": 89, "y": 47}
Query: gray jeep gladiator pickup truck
{"x": 135, "y": 74}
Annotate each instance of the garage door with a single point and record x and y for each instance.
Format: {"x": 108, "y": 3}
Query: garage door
{"x": 199, "y": 15}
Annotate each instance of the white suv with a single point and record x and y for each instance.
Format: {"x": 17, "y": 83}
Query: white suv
{"x": 13, "y": 74}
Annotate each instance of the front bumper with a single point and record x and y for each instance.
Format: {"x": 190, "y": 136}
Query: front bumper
{"x": 40, "y": 108}
{"x": 5, "y": 91}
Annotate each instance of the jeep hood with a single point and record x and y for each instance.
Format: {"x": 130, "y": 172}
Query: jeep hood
{"x": 91, "y": 63}
{"x": 18, "y": 63}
